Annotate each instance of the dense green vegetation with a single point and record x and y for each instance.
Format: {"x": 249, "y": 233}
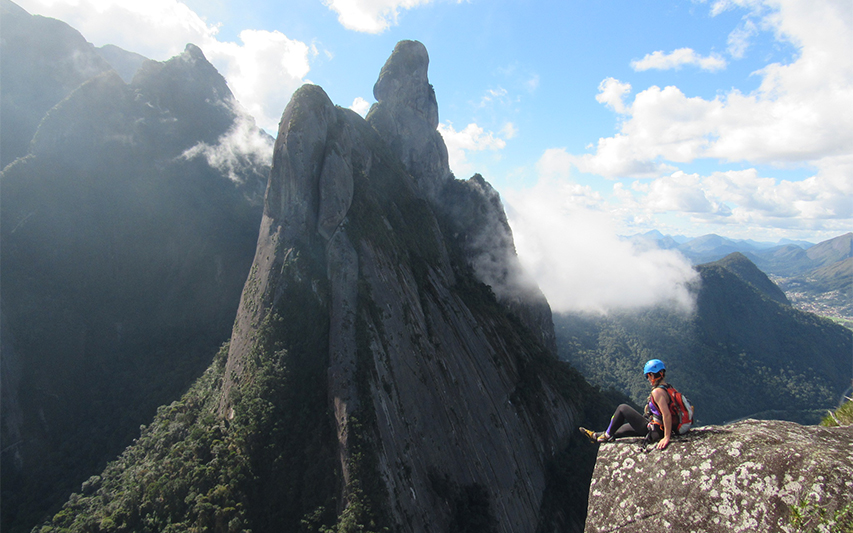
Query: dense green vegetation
{"x": 739, "y": 354}
{"x": 272, "y": 465}
{"x": 187, "y": 471}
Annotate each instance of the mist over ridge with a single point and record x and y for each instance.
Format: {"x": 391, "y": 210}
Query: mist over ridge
{"x": 581, "y": 264}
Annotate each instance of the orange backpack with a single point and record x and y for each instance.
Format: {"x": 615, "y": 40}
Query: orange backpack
{"x": 680, "y": 408}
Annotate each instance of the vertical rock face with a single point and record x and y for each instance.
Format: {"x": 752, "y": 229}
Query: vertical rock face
{"x": 753, "y": 476}
{"x": 475, "y": 217}
{"x": 447, "y": 402}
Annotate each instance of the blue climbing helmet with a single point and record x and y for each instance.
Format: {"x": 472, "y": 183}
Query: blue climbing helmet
{"x": 653, "y": 366}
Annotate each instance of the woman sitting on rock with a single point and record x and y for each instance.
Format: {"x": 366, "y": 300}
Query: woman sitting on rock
{"x": 656, "y": 425}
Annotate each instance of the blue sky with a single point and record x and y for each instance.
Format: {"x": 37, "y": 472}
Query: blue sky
{"x": 592, "y": 119}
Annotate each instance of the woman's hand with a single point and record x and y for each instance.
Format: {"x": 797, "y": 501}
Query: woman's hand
{"x": 663, "y": 443}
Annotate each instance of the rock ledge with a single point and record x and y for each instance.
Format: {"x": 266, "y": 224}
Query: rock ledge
{"x": 741, "y": 477}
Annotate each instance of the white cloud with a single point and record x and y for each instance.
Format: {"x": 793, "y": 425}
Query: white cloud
{"x": 800, "y": 114}
{"x": 573, "y": 251}
{"x": 242, "y": 146}
{"x": 509, "y": 131}
{"x": 472, "y": 138}
{"x": 740, "y": 37}
{"x": 370, "y": 16}
{"x": 681, "y": 193}
{"x": 611, "y": 92}
{"x": 742, "y": 203}
{"x": 759, "y": 205}
{"x": 678, "y": 58}
{"x": 566, "y": 232}
{"x": 500, "y": 95}
{"x": 360, "y": 106}
{"x": 615, "y": 157}
{"x": 262, "y": 71}
{"x": 158, "y": 29}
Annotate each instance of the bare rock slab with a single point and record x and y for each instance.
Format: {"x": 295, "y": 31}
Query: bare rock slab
{"x": 747, "y": 476}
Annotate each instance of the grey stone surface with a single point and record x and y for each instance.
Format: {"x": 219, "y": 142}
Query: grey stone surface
{"x": 444, "y": 374}
{"x": 720, "y": 479}
{"x": 406, "y": 116}
{"x": 477, "y": 218}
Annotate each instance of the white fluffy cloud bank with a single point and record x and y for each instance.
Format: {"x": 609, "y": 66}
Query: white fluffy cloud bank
{"x": 262, "y": 70}
{"x": 801, "y": 114}
{"x": 570, "y": 247}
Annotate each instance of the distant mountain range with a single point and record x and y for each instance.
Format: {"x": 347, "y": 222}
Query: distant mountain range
{"x": 815, "y": 277}
{"x": 782, "y": 258}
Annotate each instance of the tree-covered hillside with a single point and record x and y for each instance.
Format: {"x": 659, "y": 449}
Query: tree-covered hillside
{"x": 122, "y": 265}
{"x": 741, "y": 353}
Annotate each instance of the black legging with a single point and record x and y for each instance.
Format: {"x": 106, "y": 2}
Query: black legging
{"x": 629, "y": 423}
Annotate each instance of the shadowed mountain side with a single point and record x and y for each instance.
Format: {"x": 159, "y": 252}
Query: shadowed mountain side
{"x": 372, "y": 380}
{"x": 122, "y": 267}
{"x": 738, "y": 339}
{"x": 738, "y": 264}
{"x": 753, "y": 476}
{"x": 43, "y": 61}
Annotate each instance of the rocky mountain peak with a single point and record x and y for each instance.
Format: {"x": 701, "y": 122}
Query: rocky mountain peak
{"x": 366, "y": 283}
{"x": 406, "y": 115}
{"x": 193, "y": 53}
{"x": 403, "y": 81}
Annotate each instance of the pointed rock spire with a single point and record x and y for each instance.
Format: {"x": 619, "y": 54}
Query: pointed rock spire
{"x": 403, "y": 81}
{"x": 406, "y": 116}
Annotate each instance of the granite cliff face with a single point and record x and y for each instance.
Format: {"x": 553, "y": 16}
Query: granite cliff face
{"x": 755, "y": 476}
{"x": 450, "y": 402}
{"x": 406, "y": 116}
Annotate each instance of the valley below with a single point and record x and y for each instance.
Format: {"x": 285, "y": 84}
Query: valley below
{"x": 835, "y": 305}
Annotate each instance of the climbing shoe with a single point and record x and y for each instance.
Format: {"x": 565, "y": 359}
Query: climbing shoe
{"x": 588, "y": 434}
{"x": 604, "y": 437}
{"x": 596, "y": 436}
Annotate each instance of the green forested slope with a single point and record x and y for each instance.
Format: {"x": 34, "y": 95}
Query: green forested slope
{"x": 122, "y": 267}
{"x": 739, "y": 354}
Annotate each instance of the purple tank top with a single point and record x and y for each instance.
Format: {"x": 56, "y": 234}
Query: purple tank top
{"x": 654, "y": 409}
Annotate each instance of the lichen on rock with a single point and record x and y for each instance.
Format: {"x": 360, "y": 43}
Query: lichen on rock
{"x": 749, "y": 476}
